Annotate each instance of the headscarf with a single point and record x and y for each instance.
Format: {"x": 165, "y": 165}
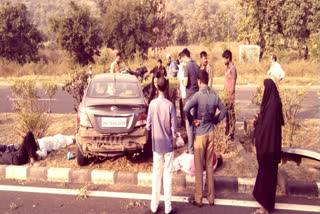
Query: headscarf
{"x": 268, "y": 129}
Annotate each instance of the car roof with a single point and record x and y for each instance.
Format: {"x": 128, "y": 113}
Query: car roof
{"x": 117, "y": 77}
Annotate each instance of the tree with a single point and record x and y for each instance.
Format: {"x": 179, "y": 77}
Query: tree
{"x": 224, "y": 25}
{"x": 200, "y": 26}
{"x": 78, "y": 33}
{"x": 128, "y": 27}
{"x": 269, "y": 23}
{"x": 180, "y": 34}
{"x": 260, "y": 24}
{"x": 296, "y": 18}
{"x": 166, "y": 25}
{"x": 19, "y": 38}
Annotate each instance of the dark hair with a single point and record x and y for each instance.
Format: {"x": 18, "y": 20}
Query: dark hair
{"x": 159, "y": 60}
{"x": 274, "y": 57}
{"x": 185, "y": 52}
{"x": 203, "y": 76}
{"x": 162, "y": 84}
{"x": 203, "y": 54}
{"x": 227, "y": 54}
{"x": 118, "y": 54}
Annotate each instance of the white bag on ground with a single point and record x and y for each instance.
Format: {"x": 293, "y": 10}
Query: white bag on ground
{"x": 185, "y": 162}
{"x": 179, "y": 140}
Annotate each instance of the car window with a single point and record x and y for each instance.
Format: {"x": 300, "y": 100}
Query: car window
{"x": 107, "y": 89}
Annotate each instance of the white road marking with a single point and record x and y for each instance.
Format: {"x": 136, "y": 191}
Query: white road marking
{"x": 140, "y": 196}
{"x": 41, "y": 99}
{"x": 243, "y": 101}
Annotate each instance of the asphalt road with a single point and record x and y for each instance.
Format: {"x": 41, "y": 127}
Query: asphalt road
{"x": 62, "y": 102}
{"x": 62, "y": 198}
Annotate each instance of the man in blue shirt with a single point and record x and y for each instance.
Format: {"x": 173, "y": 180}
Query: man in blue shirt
{"x": 172, "y": 67}
{"x": 206, "y": 102}
{"x": 162, "y": 122}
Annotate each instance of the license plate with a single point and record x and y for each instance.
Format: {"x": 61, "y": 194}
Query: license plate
{"x": 107, "y": 122}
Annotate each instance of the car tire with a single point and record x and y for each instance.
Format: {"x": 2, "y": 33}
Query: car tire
{"x": 81, "y": 160}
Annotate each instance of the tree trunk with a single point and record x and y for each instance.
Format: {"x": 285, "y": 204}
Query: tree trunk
{"x": 261, "y": 54}
{"x": 306, "y": 52}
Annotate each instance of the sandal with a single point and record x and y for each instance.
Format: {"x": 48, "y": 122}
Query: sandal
{"x": 258, "y": 211}
{"x": 192, "y": 201}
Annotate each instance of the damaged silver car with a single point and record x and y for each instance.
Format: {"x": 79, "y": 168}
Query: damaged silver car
{"x": 111, "y": 118}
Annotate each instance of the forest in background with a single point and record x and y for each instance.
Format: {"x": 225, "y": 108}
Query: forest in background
{"x": 86, "y": 29}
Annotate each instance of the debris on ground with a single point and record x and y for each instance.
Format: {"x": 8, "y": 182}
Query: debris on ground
{"x": 136, "y": 204}
{"x": 83, "y": 193}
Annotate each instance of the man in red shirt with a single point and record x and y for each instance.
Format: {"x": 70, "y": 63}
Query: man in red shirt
{"x": 230, "y": 79}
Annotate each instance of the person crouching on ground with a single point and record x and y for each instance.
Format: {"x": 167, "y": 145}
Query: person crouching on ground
{"x": 21, "y": 154}
{"x": 206, "y": 102}
{"x": 162, "y": 122}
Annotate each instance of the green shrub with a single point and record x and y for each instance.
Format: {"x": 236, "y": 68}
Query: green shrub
{"x": 31, "y": 116}
{"x": 291, "y": 105}
{"x": 36, "y": 122}
{"x": 76, "y": 85}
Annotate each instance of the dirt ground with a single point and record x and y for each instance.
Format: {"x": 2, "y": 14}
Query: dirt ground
{"x": 236, "y": 158}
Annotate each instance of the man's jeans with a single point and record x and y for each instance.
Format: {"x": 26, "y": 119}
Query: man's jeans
{"x": 230, "y": 121}
{"x": 190, "y": 132}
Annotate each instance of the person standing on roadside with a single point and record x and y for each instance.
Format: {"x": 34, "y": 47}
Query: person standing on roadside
{"x": 230, "y": 79}
{"x": 182, "y": 89}
{"x": 204, "y": 65}
{"x": 172, "y": 66}
{"x": 206, "y": 102}
{"x": 275, "y": 71}
{"x": 159, "y": 68}
{"x": 115, "y": 65}
{"x": 267, "y": 133}
{"x": 162, "y": 122}
{"x": 191, "y": 70}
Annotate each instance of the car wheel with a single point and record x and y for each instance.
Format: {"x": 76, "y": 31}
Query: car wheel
{"x": 81, "y": 160}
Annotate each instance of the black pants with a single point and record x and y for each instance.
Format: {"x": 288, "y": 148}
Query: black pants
{"x": 181, "y": 105}
{"x": 22, "y": 154}
{"x": 230, "y": 121}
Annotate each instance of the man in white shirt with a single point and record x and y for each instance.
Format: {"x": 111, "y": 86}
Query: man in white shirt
{"x": 275, "y": 70}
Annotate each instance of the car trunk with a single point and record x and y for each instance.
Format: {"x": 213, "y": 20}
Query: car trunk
{"x": 114, "y": 116}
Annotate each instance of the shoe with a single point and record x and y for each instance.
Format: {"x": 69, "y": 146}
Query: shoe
{"x": 192, "y": 201}
{"x": 173, "y": 211}
{"x": 259, "y": 211}
{"x": 211, "y": 204}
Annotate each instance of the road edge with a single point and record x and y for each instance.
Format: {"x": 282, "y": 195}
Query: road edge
{"x": 95, "y": 176}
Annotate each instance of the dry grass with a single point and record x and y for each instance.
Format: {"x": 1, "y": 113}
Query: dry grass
{"x": 65, "y": 124}
{"x": 56, "y": 66}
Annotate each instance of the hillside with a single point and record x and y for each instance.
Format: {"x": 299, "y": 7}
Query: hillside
{"x": 40, "y": 11}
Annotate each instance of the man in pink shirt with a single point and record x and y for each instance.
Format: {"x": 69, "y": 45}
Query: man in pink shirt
{"x": 230, "y": 79}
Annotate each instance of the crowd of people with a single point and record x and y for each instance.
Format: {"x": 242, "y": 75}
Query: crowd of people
{"x": 198, "y": 108}
{"x": 198, "y": 113}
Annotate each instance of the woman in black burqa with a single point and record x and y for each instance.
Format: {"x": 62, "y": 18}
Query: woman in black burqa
{"x": 267, "y": 133}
